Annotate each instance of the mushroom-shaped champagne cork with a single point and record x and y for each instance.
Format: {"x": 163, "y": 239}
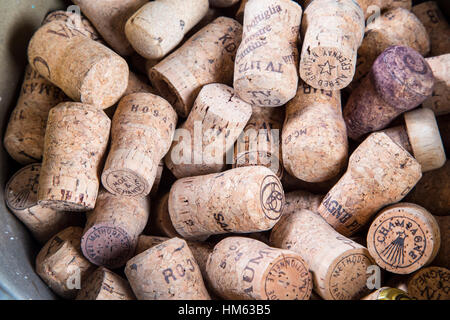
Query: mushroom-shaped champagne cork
{"x": 387, "y": 293}
{"x": 300, "y": 199}
{"x": 430, "y": 283}
{"x": 379, "y": 173}
{"x": 333, "y": 31}
{"x": 61, "y": 264}
{"x": 142, "y": 130}
{"x": 210, "y": 131}
{"x": 246, "y": 269}
{"x": 443, "y": 257}
{"x": 436, "y": 25}
{"x": 159, "y": 26}
{"x": 84, "y": 69}
{"x": 399, "y": 80}
{"x": 241, "y": 200}
{"x": 222, "y": 3}
{"x": 112, "y": 229}
{"x": 403, "y": 238}
{"x": 266, "y": 68}
{"x": 207, "y": 57}
{"x": 314, "y": 137}
{"x": 167, "y": 271}
{"x": 338, "y": 264}
{"x": 439, "y": 100}
{"x": 75, "y": 141}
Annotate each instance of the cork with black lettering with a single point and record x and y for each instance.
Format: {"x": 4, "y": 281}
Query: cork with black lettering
{"x": 430, "y": 283}
{"x": 300, "y": 199}
{"x": 438, "y": 102}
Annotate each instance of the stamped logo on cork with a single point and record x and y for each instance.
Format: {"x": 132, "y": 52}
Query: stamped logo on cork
{"x": 21, "y": 190}
{"x": 125, "y": 183}
{"x": 272, "y": 197}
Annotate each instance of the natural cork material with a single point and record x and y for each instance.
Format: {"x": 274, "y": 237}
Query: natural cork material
{"x": 104, "y": 284}
{"x": 84, "y": 69}
{"x": 246, "y": 269}
{"x": 439, "y": 100}
{"x": 333, "y": 31}
{"x": 266, "y": 69}
{"x": 207, "y": 57}
{"x": 241, "y": 200}
{"x": 298, "y": 200}
{"x": 75, "y": 141}
{"x": 314, "y": 136}
{"x": 112, "y": 229}
{"x": 61, "y": 264}
{"x": 387, "y": 293}
{"x": 430, "y": 283}
{"x": 443, "y": 257}
{"x": 160, "y": 218}
{"x": 403, "y": 238}
{"x": 147, "y": 242}
{"x": 373, "y": 7}
{"x": 400, "y": 80}
{"x": 379, "y": 173}
{"x": 142, "y": 130}
{"x": 167, "y": 271}
{"x": 210, "y": 131}
{"x": 338, "y": 264}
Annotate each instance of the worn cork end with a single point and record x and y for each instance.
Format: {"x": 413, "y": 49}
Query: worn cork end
{"x": 247, "y": 269}
{"x": 438, "y": 102}
{"x": 403, "y": 238}
{"x": 443, "y": 256}
{"x": 161, "y": 218}
{"x": 430, "y": 283}
{"x": 297, "y": 200}
{"x": 167, "y": 271}
{"x": 387, "y": 293}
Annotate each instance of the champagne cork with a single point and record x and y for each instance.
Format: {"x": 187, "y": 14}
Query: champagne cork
{"x": 245, "y": 269}
{"x": 21, "y": 199}
{"x": 399, "y": 81}
{"x": 439, "y": 100}
{"x": 75, "y": 142}
{"x": 240, "y": 200}
{"x": 373, "y": 7}
{"x": 85, "y": 70}
{"x": 265, "y": 72}
{"x": 240, "y": 12}
{"x": 160, "y": 218}
{"x": 159, "y": 26}
{"x": 299, "y": 199}
{"x": 387, "y": 293}
{"x": 211, "y": 129}
{"x": 403, "y": 238}
{"x": 379, "y": 173}
{"x": 112, "y": 229}
{"x": 430, "y": 283}
{"x": 104, "y": 284}
{"x": 314, "y": 136}
{"x": 207, "y": 57}
{"x": 443, "y": 257}
{"x": 61, "y": 265}
{"x": 142, "y": 131}
{"x": 436, "y": 25}
{"x": 223, "y": 3}
{"x": 167, "y": 271}
{"x": 333, "y": 31}
{"x": 338, "y": 264}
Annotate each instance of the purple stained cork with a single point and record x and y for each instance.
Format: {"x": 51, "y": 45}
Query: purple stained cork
{"x": 400, "y": 80}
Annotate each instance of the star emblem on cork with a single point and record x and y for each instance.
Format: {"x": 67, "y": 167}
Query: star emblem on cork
{"x": 326, "y": 68}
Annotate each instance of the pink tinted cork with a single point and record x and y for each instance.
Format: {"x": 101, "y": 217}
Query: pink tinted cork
{"x": 75, "y": 141}
{"x": 247, "y": 269}
{"x": 430, "y": 283}
{"x": 167, "y": 271}
{"x": 443, "y": 256}
{"x": 142, "y": 130}
{"x": 439, "y": 100}
{"x": 298, "y": 200}
{"x": 338, "y": 264}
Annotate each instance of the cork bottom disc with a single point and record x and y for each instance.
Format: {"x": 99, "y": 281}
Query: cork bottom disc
{"x": 169, "y": 92}
{"x": 125, "y": 182}
{"x": 431, "y": 283}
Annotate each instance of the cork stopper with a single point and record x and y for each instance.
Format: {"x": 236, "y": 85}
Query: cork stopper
{"x": 160, "y": 218}
{"x": 443, "y": 256}
{"x": 387, "y": 293}
{"x": 167, "y": 271}
{"x": 75, "y": 142}
{"x": 399, "y": 81}
{"x": 142, "y": 131}
{"x": 438, "y": 102}
{"x": 300, "y": 199}
{"x": 180, "y": 76}
{"x": 400, "y": 136}
{"x": 379, "y": 173}
{"x": 372, "y": 7}
{"x": 210, "y": 131}
{"x": 61, "y": 265}
{"x": 247, "y": 269}
{"x": 314, "y": 136}
{"x": 223, "y": 3}
{"x": 338, "y": 264}
{"x": 240, "y": 200}
{"x": 430, "y": 283}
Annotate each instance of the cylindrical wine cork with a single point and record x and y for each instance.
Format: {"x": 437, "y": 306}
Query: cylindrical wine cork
{"x": 104, "y": 284}
{"x": 333, "y": 31}
{"x": 61, "y": 264}
{"x": 387, "y": 293}
{"x": 160, "y": 218}
{"x": 374, "y": 7}
{"x": 436, "y": 25}
{"x": 265, "y": 73}
{"x": 240, "y": 200}
{"x": 298, "y": 200}
{"x": 240, "y": 12}
{"x": 338, "y": 264}
{"x": 207, "y": 57}
{"x": 399, "y": 80}
{"x": 379, "y": 173}
{"x": 112, "y": 229}
{"x": 167, "y": 271}
{"x": 430, "y": 283}
{"x": 314, "y": 137}
{"x": 246, "y": 269}
{"x": 142, "y": 131}
{"x": 222, "y": 3}
{"x": 443, "y": 257}
{"x": 403, "y": 238}
{"x": 153, "y": 39}
{"x": 439, "y": 100}
{"x": 85, "y": 70}
{"x": 75, "y": 142}
{"x": 210, "y": 131}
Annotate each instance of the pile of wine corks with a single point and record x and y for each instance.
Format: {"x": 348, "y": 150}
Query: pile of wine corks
{"x": 226, "y": 149}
